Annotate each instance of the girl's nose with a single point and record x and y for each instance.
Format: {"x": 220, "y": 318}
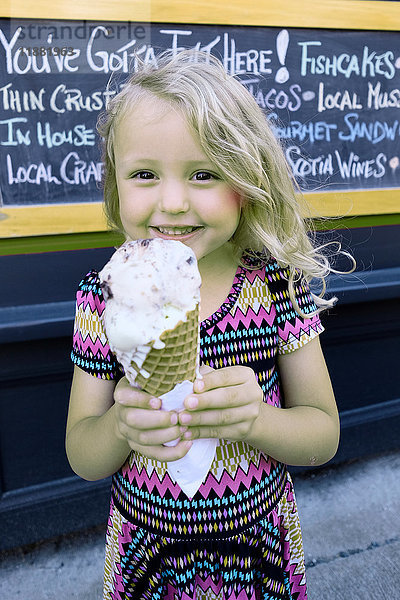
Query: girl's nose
{"x": 173, "y": 199}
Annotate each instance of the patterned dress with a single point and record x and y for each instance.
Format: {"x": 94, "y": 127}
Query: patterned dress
{"x": 239, "y": 537}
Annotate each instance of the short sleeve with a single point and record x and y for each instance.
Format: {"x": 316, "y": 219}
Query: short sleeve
{"x": 293, "y": 330}
{"x": 90, "y": 349}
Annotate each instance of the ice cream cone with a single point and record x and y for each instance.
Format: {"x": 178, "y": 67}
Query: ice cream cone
{"x": 172, "y": 364}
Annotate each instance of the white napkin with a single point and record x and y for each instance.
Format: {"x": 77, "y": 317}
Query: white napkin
{"x": 191, "y": 470}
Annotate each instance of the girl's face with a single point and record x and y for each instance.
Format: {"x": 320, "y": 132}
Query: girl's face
{"x": 167, "y": 187}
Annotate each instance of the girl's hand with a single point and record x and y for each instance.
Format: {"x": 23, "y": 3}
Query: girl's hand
{"x": 225, "y": 404}
{"x": 140, "y": 421}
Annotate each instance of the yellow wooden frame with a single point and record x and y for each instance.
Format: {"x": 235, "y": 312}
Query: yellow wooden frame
{"x": 336, "y": 14}
{"x": 18, "y": 221}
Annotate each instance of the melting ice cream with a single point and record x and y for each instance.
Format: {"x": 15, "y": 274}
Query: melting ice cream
{"x": 149, "y": 286}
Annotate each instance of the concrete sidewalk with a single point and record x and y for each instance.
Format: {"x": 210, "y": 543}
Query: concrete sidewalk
{"x": 351, "y": 531}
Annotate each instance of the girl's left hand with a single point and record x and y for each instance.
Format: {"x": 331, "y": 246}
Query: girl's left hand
{"x": 224, "y": 405}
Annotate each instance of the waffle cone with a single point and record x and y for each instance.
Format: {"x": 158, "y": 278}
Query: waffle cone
{"x": 174, "y": 363}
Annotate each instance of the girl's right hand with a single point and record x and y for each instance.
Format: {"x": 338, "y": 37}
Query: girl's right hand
{"x": 140, "y": 421}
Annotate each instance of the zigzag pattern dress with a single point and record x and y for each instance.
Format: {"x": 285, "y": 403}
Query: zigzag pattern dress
{"x": 239, "y": 537}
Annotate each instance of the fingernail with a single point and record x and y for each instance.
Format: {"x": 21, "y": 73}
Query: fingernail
{"x": 155, "y": 403}
{"x": 199, "y": 384}
{"x": 174, "y": 419}
{"x": 191, "y": 402}
{"x": 183, "y": 429}
{"x": 188, "y": 435}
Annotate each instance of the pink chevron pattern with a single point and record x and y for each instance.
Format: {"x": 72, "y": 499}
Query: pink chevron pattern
{"x": 248, "y": 320}
{"x": 150, "y": 482}
{"x": 154, "y": 483}
{"x": 91, "y": 348}
{"x": 252, "y": 274}
{"x": 85, "y": 299}
{"x": 298, "y": 327}
{"x": 238, "y": 538}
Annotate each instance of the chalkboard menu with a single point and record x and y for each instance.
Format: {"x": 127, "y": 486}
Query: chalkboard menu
{"x": 333, "y": 97}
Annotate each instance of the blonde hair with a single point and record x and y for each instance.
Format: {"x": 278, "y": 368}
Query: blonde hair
{"x": 235, "y": 136}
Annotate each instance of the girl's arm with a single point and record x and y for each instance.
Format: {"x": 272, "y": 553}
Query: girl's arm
{"x": 93, "y": 449}
{"x": 305, "y": 432}
{"x": 107, "y": 421}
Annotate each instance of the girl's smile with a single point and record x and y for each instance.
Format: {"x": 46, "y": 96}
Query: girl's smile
{"x": 167, "y": 186}
{"x": 182, "y": 233}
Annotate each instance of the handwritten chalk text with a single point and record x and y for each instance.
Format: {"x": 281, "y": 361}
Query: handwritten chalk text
{"x": 370, "y": 64}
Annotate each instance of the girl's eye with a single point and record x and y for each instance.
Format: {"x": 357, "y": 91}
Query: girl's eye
{"x": 204, "y": 176}
{"x": 143, "y": 175}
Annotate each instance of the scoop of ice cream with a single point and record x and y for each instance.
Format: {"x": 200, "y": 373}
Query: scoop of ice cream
{"x": 149, "y": 286}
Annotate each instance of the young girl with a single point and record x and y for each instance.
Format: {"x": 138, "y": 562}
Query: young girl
{"x": 189, "y": 156}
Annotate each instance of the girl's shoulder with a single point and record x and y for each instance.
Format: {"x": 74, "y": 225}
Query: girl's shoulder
{"x": 269, "y": 279}
{"x": 266, "y": 270}
{"x": 90, "y": 283}
{"x": 89, "y": 287}
{"x": 90, "y": 348}
{"x": 253, "y": 260}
